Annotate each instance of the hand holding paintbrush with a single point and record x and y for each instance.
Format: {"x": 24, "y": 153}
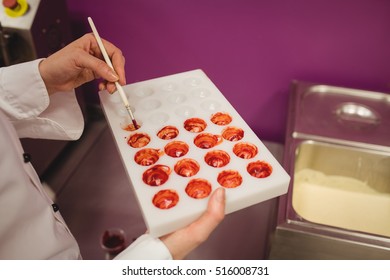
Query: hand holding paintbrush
{"x": 108, "y": 61}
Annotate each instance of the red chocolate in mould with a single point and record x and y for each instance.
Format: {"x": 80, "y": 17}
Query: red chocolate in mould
{"x": 233, "y": 133}
{"x": 176, "y": 149}
{"x": 138, "y": 140}
{"x": 165, "y": 199}
{"x": 195, "y": 125}
{"x": 217, "y": 158}
{"x": 187, "y": 167}
{"x": 245, "y": 150}
{"x": 146, "y": 157}
{"x": 156, "y": 175}
{"x": 198, "y": 188}
{"x": 259, "y": 169}
{"x": 168, "y": 132}
{"x": 130, "y": 127}
{"x": 221, "y": 118}
{"x": 207, "y": 140}
{"x": 229, "y": 179}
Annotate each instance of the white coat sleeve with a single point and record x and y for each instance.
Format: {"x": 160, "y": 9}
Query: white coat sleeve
{"x": 145, "y": 247}
{"x": 26, "y": 103}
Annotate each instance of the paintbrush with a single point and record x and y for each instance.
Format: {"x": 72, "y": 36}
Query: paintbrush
{"x": 108, "y": 61}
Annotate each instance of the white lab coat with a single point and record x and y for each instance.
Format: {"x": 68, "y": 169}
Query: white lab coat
{"x": 29, "y": 226}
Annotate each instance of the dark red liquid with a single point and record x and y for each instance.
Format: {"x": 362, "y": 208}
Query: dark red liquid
{"x": 113, "y": 242}
{"x": 135, "y": 124}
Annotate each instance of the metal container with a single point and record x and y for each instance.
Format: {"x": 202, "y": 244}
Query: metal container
{"x": 337, "y": 152}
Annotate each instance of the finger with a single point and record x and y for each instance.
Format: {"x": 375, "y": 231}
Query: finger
{"x": 115, "y": 54}
{"x": 111, "y": 88}
{"x": 98, "y": 66}
{"x": 212, "y": 217}
{"x": 102, "y": 86}
{"x": 183, "y": 241}
{"x": 117, "y": 59}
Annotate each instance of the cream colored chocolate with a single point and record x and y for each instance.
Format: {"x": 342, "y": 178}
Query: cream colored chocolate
{"x": 341, "y": 201}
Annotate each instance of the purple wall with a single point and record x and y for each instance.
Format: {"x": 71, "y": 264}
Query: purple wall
{"x": 251, "y": 49}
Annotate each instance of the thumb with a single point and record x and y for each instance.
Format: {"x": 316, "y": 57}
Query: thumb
{"x": 214, "y": 214}
{"x": 183, "y": 241}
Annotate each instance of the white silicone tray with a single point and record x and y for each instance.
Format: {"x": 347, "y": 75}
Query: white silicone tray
{"x": 171, "y": 101}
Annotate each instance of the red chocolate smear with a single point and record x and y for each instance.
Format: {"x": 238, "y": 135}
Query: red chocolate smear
{"x": 245, "y": 150}
{"x": 131, "y": 127}
{"x": 165, "y": 199}
{"x": 176, "y": 149}
{"x": 221, "y": 118}
{"x": 229, "y": 179}
{"x": 195, "y": 125}
{"x": 207, "y": 140}
{"x": 259, "y": 169}
{"x": 168, "y": 132}
{"x": 187, "y": 167}
{"x": 233, "y": 133}
{"x": 156, "y": 175}
{"x": 217, "y": 158}
{"x": 138, "y": 140}
{"x": 198, "y": 188}
{"x": 146, "y": 157}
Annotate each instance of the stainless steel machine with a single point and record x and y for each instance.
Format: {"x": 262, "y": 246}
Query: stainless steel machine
{"x": 337, "y": 152}
{"x": 31, "y": 29}
{"x": 43, "y": 29}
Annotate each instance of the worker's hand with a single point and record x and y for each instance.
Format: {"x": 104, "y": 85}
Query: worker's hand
{"x": 81, "y": 61}
{"x": 183, "y": 241}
